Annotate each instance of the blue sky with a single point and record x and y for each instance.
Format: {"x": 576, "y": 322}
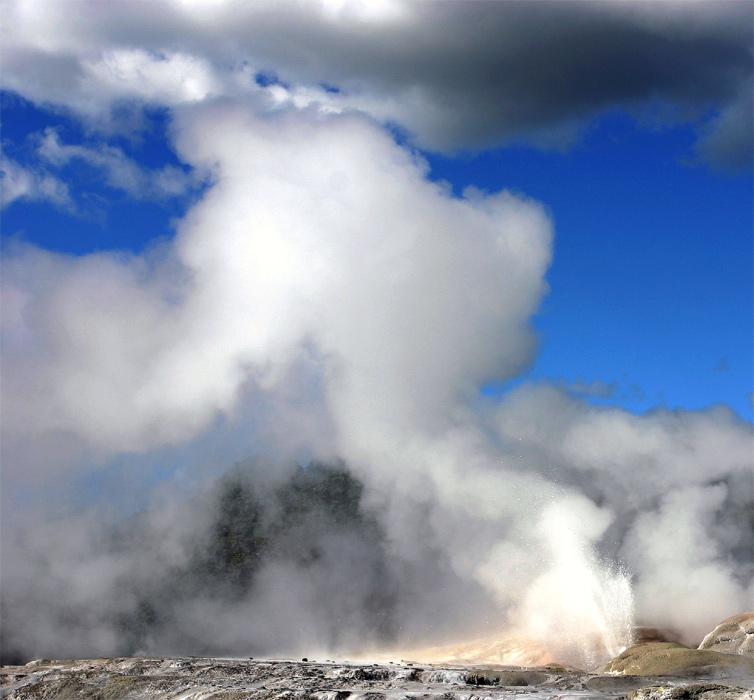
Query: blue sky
{"x": 652, "y": 273}
{"x": 102, "y": 218}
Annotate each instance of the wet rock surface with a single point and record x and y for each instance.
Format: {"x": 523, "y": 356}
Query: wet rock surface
{"x": 236, "y": 679}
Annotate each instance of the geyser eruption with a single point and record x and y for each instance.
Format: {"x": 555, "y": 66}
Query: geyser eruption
{"x": 324, "y": 299}
{"x": 580, "y": 608}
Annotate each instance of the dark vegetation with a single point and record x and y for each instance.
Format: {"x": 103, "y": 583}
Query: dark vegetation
{"x": 212, "y": 559}
{"x": 253, "y": 524}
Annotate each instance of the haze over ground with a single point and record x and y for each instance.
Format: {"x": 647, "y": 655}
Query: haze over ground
{"x": 497, "y": 257}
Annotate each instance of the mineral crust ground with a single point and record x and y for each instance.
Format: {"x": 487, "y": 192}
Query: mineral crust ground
{"x": 192, "y": 678}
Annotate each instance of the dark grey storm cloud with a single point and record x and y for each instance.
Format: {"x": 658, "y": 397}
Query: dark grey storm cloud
{"x": 480, "y": 72}
{"x": 454, "y": 74}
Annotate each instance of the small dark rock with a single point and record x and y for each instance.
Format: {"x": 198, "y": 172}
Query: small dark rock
{"x": 506, "y": 678}
{"x": 368, "y": 674}
{"x": 481, "y": 679}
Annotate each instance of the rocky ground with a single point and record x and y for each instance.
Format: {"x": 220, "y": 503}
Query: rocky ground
{"x": 655, "y": 668}
{"x": 234, "y": 679}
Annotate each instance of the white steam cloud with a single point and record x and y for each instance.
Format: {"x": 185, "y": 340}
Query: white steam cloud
{"x": 318, "y": 236}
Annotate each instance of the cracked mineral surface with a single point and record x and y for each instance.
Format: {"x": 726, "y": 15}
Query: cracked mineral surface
{"x": 192, "y": 678}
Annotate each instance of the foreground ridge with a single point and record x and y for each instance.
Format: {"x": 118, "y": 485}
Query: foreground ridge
{"x": 194, "y": 678}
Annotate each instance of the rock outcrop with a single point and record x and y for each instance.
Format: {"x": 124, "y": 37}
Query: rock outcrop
{"x": 694, "y": 691}
{"x": 672, "y": 659}
{"x": 732, "y": 636}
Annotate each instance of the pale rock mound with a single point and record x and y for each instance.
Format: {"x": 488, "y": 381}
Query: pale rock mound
{"x": 696, "y": 691}
{"x": 671, "y": 659}
{"x": 732, "y": 636}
